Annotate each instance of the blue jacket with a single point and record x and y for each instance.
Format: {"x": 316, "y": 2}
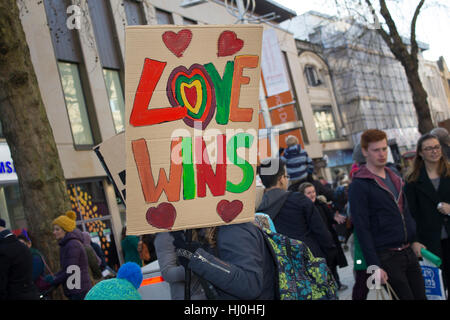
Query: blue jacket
{"x": 298, "y": 163}
{"x": 244, "y": 267}
{"x": 380, "y": 220}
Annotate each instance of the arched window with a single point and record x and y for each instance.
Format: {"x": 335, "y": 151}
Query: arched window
{"x": 312, "y": 76}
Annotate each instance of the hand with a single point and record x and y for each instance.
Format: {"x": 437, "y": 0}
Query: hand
{"x": 184, "y": 250}
{"x": 339, "y": 218}
{"x": 444, "y": 208}
{"x": 383, "y": 276}
{"x": 416, "y": 247}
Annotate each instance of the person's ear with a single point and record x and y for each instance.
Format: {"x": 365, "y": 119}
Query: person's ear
{"x": 364, "y": 152}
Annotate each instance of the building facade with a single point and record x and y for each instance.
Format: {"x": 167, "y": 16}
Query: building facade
{"x": 370, "y": 85}
{"x": 77, "y": 48}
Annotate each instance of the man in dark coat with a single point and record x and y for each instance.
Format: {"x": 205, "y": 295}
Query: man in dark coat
{"x": 16, "y": 268}
{"x": 292, "y": 213}
{"x": 382, "y": 222}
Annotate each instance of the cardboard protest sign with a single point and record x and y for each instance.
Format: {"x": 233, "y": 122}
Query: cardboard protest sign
{"x": 111, "y": 154}
{"x": 192, "y": 122}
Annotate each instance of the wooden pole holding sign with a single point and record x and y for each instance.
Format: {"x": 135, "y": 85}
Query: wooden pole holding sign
{"x": 192, "y": 124}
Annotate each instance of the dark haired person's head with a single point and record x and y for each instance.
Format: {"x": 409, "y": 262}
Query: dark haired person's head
{"x": 271, "y": 171}
{"x": 428, "y": 150}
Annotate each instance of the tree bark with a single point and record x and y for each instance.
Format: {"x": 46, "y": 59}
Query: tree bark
{"x": 29, "y": 136}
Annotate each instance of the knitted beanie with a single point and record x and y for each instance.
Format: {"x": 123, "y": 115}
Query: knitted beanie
{"x": 124, "y": 287}
{"x": 67, "y": 221}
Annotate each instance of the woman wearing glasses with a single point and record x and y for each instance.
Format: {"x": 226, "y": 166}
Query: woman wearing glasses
{"x": 428, "y": 192}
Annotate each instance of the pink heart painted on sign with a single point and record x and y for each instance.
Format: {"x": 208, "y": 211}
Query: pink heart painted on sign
{"x": 228, "y": 211}
{"x": 162, "y": 217}
{"x": 177, "y": 42}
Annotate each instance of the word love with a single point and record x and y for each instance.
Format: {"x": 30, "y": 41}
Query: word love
{"x": 194, "y": 94}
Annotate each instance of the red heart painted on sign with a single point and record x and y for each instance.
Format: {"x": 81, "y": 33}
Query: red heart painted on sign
{"x": 177, "y": 42}
{"x": 229, "y": 44}
{"x": 191, "y": 95}
{"x": 229, "y": 210}
{"x": 162, "y": 217}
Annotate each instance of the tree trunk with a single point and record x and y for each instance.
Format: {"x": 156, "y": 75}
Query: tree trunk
{"x": 409, "y": 62}
{"x": 420, "y": 101}
{"x": 29, "y": 136}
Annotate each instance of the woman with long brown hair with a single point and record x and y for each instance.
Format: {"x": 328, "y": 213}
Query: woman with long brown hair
{"x": 428, "y": 193}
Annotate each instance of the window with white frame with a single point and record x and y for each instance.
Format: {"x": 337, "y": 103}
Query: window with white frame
{"x": 325, "y": 124}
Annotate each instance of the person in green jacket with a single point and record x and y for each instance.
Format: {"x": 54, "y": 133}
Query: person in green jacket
{"x": 130, "y": 248}
{"x": 360, "y": 288}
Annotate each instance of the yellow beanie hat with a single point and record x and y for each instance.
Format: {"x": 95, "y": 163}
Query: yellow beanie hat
{"x": 67, "y": 221}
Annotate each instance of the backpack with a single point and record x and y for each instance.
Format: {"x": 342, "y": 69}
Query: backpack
{"x": 300, "y": 275}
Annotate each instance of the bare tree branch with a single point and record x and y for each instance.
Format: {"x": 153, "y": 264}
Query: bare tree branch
{"x": 414, "y": 46}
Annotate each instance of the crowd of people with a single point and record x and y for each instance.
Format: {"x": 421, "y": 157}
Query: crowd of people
{"x": 389, "y": 215}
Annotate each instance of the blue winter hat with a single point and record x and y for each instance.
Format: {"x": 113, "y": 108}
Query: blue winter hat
{"x": 132, "y": 272}
{"x": 123, "y": 287}
{"x": 2, "y": 223}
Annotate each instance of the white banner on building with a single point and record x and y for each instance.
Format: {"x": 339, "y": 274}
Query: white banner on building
{"x": 272, "y": 64}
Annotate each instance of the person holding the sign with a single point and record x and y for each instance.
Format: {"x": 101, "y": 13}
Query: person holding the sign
{"x": 428, "y": 193}
{"x": 242, "y": 267}
{"x": 172, "y": 271}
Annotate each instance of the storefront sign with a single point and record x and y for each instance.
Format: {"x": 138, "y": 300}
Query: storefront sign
{"x": 7, "y": 171}
{"x": 191, "y": 136}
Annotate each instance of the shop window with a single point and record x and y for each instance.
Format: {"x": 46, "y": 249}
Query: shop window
{"x": 312, "y": 76}
{"x": 75, "y": 104}
{"x": 324, "y": 121}
{"x": 11, "y": 207}
{"x": 115, "y": 95}
{"x": 88, "y": 200}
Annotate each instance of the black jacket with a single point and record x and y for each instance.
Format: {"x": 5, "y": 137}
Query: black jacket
{"x": 380, "y": 220}
{"x": 328, "y": 217}
{"x": 243, "y": 268}
{"x": 423, "y": 200}
{"x": 295, "y": 216}
{"x": 16, "y": 269}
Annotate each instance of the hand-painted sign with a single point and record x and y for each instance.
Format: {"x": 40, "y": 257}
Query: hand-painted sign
{"x": 191, "y": 136}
